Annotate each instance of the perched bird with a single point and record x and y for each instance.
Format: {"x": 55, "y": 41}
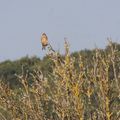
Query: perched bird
{"x": 44, "y": 40}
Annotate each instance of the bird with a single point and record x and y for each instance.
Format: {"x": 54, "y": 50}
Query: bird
{"x": 44, "y": 41}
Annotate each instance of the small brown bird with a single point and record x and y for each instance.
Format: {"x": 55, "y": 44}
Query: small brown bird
{"x": 44, "y": 40}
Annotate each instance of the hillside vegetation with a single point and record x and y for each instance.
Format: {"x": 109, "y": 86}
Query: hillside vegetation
{"x": 83, "y": 85}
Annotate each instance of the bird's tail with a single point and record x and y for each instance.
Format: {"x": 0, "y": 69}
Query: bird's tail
{"x": 43, "y": 47}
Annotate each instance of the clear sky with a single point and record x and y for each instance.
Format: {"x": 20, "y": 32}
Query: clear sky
{"x": 85, "y": 23}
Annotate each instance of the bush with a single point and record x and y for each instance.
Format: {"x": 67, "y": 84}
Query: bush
{"x": 90, "y": 92}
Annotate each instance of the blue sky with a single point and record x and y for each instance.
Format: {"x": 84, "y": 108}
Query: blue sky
{"x": 85, "y": 23}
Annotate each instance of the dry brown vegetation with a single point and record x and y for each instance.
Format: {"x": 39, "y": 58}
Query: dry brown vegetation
{"x": 89, "y": 92}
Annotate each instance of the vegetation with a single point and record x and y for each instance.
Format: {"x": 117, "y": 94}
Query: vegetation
{"x": 83, "y": 85}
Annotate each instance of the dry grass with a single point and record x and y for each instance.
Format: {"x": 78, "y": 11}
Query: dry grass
{"x": 86, "y": 93}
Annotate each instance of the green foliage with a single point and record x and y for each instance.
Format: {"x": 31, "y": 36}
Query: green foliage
{"x": 9, "y": 69}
